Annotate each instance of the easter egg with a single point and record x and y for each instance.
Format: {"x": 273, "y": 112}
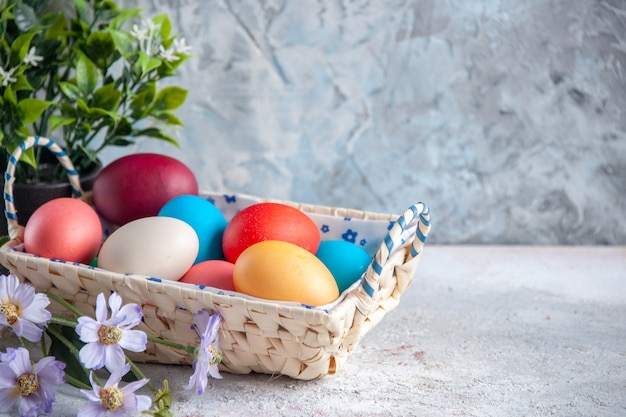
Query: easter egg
{"x": 282, "y": 271}
{"x": 206, "y": 220}
{"x": 345, "y": 260}
{"x": 138, "y": 185}
{"x": 64, "y": 228}
{"x": 213, "y": 273}
{"x": 160, "y": 247}
{"x": 269, "y": 221}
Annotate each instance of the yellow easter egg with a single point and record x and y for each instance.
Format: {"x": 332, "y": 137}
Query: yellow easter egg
{"x": 282, "y": 271}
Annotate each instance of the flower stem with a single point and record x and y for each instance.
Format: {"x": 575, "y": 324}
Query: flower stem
{"x": 76, "y": 382}
{"x": 73, "y": 349}
{"x": 63, "y": 321}
{"x": 188, "y": 349}
{"x": 64, "y": 303}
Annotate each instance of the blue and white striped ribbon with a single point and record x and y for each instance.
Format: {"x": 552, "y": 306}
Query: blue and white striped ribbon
{"x": 416, "y": 219}
{"x": 9, "y": 176}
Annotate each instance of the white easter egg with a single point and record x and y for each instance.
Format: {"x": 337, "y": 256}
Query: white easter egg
{"x": 157, "y": 246}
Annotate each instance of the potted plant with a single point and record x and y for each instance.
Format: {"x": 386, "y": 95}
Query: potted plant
{"x": 84, "y": 73}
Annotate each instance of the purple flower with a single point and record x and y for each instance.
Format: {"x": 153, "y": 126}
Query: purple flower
{"x": 208, "y": 354}
{"x": 30, "y": 385}
{"x": 113, "y": 400}
{"x": 105, "y": 338}
{"x": 21, "y": 309}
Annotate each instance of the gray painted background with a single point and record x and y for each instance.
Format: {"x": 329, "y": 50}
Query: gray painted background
{"x": 507, "y": 117}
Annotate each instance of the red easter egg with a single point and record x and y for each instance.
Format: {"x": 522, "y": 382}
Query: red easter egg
{"x": 64, "y": 228}
{"x": 212, "y": 273}
{"x": 139, "y": 185}
{"x": 269, "y": 221}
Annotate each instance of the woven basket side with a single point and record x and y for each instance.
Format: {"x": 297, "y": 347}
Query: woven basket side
{"x": 389, "y": 275}
{"x": 355, "y": 323}
{"x": 256, "y": 336}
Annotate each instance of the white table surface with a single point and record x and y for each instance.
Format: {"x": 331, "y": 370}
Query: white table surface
{"x": 483, "y": 331}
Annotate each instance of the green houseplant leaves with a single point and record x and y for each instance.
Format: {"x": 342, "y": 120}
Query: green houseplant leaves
{"x": 85, "y": 79}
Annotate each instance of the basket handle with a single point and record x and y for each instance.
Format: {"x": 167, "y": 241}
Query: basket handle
{"x": 412, "y": 226}
{"x": 9, "y": 177}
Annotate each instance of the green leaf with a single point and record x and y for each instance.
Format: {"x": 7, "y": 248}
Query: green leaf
{"x": 141, "y": 102}
{"x": 81, "y": 9}
{"x": 165, "y": 25}
{"x": 97, "y": 113}
{"x": 32, "y": 109}
{"x": 147, "y": 63}
{"x": 70, "y": 90}
{"x": 22, "y": 84}
{"x": 123, "y": 127}
{"x": 90, "y": 153}
{"x": 58, "y": 121}
{"x": 23, "y": 132}
{"x": 5, "y": 16}
{"x": 119, "y": 141}
{"x": 82, "y": 108}
{"x": 9, "y": 95}
{"x": 169, "y": 98}
{"x": 25, "y": 16}
{"x": 169, "y": 67}
{"x": 122, "y": 15}
{"x": 58, "y": 29}
{"x": 28, "y": 156}
{"x": 54, "y": 53}
{"x": 84, "y": 127}
{"x": 169, "y": 119}
{"x": 87, "y": 75}
{"x": 68, "y": 109}
{"x": 19, "y": 48}
{"x": 156, "y": 133}
{"x": 107, "y": 97}
{"x": 124, "y": 42}
{"x": 100, "y": 48}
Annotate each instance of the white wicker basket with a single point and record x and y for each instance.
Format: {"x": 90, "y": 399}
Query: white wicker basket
{"x": 256, "y": 335}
